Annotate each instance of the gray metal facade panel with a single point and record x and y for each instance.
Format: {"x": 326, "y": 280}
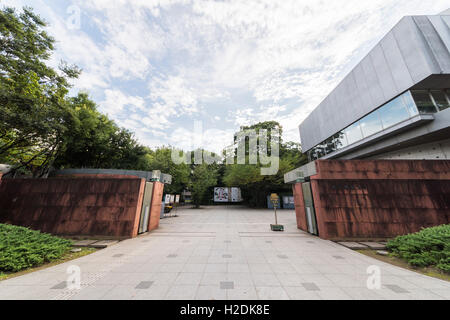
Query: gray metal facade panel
{"x": 442, "y": 28}
{"x": 383, "y": 72}
{"x": 446, "y": 20}
{"x": 363, "y": 87}
{"x": 399, "y": 70}
{"x": 435, "y": 42}
{"x": 372, "y": 81}
{"x": 408, "y": 54}
{"x": 414, "y": 49}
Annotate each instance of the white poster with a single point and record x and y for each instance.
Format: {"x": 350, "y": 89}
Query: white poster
{"x": 172, "y": 198}
{"x": 221, "y": 194}
{"x": 167, "y": 199}
{"x": 236, "y": 195}
{"x": 177, "y": 199}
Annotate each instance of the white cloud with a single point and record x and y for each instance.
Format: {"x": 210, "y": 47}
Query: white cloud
{"x": 232, "y": 62}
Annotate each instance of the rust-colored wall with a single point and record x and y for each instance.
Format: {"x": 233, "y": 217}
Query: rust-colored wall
{"x": 379, "y": 198}
{"x": 299, "y": 206}
{"x": 74, "y": 206}
{"x": 155, "y": 211}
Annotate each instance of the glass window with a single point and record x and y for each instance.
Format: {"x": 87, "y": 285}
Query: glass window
{"x": 394, "y": 112}
{"x": 423, "y": 101}
{"x": 353, "y": 133}
{"x": 410, "y": 104}
{"x": 440, "y": 99}
{"x": 318, "y": 152}
{"x": 371, "y": 124}
{"x": 340, "y": 140}
{"x": 330, "y": 147}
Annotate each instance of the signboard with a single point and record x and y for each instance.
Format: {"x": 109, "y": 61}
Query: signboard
{"x": 221, "y": 195}
{"x": 288, "y": 200}
{"x": 172, "y": 198}
{"x": 167, "y": 198}
{"x": 236, "y": 195}
{"x": 177, "y": 198}
{"x": 274, "y": 198}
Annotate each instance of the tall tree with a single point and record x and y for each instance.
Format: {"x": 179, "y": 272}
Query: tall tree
{"x": 255, "y": 186}
{"x": 32, "y": 94}
{"x": 161, "y": 159}
{"x": 94, "y": 141}
{"x": 204, "y": 177}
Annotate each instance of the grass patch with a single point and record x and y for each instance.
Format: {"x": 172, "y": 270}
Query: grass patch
{"x": 428, "y": 271}
{"x": 22, "y": 248}
{"x": 67, "y": 257}
{"x": 427, "y": 248}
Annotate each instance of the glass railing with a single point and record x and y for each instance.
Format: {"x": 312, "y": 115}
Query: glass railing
{"x": 404, "y": 107}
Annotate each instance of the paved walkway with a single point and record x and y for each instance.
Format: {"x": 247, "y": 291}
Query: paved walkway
{"x": 225, "y": 253}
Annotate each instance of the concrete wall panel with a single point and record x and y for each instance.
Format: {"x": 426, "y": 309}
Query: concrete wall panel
{"x": 107, "y": 207}
{"x": 367, "y": 199}
{"x": 155, "y": 211}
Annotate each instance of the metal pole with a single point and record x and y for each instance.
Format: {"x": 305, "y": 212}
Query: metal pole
{"x": 275, "y": 207}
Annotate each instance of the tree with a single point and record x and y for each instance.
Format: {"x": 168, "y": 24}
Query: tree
{"x": 32, "y": 94}
{"x": 255, "y": 187}
{"x": 94, "y": 141}
{"x": 161, "y": 159}
{"x": 204, "y": 177}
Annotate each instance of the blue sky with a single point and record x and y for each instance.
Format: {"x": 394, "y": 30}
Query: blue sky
{"x": 156, "y": 67}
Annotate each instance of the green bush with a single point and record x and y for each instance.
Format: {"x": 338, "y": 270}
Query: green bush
{"x": 22, "y": 248}
{"x": 429, "y": 247}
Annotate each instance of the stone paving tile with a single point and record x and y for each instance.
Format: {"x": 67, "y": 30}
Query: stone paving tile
{"x": 271, "y": 293}
{"x": 362, "y": 294}
{"x": 188, "y": 279}
{"x": 333, "y": 293}
{"x": 242, "y": 293}
{"x": 210, "y": 293}
{"x": 216, "y": 268}
{"x": 300, "y": 293}
{"x": 265, "y": 280}
{"x": 240, "y": 279}
{"x": 182, "y": 292}
{"x": 190, "y": 256}
{"x": 290, "y": 280}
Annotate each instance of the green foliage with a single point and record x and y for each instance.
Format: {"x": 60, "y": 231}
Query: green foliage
{"x": 255, "y": 187}
{"x": 32, "y": 94}
{"x": 204, "y": 177}
{"x": 429, "y": 247}
{"x": 94, "y": 141}
{"x": 161, "y": 159}
{"x": 22, "y": 248}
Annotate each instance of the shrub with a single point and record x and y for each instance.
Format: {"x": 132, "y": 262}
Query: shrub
{"x": 429, "y": 247}
{"x": 22, "y": 248}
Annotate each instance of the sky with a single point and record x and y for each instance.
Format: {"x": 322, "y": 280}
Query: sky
{"x": 160, "y": 68}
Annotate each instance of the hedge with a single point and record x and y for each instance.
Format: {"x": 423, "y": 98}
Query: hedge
{"x": 22, "y": 248}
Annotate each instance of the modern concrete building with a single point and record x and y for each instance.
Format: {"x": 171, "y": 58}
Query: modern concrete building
{"x": 394, "y": 105}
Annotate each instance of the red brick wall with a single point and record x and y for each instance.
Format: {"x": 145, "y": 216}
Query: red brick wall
{"x": 379, "y": 198}
{"x": 155, "y": 211}
{"x": 74, "y": 206}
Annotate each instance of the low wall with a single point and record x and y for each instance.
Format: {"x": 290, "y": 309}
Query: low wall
{"x": 377, "y": 199}
{"x": 80, "y": 206}
{"x": 155, "y": 210}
